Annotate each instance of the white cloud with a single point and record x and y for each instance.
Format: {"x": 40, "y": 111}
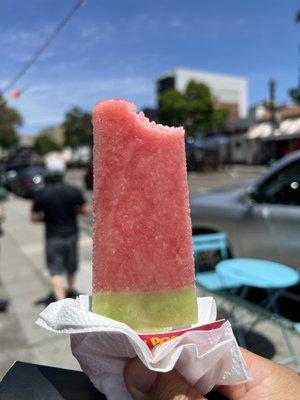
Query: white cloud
{"x": 46, "y": 104}
{"x": 11, "y": 36}
{"x": 176, "y": 23}
{"x": 39, "y": 88}
{"x": 29, "y": 37}
{"x": 101, "y": 31}
{"x": 44, "y": 120}
{"x": 130, "y": 85}
{"x": 17, "y": 45}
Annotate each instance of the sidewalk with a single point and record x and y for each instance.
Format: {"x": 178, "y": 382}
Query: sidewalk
{"x": 23, "y": 281}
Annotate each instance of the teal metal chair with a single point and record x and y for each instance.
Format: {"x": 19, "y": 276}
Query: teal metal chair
{"x": 211, "y": 241}
{"x": 211, "y": 280}
{"x": 297, "y": 327}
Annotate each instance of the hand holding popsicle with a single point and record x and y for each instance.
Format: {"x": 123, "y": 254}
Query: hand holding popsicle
{"x": 270, "y": 382}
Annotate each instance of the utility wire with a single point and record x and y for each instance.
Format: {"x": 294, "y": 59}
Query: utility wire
{"x": 40, "y": 50}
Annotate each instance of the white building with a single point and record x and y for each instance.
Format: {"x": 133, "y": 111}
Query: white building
{"x": 228, "y": 91}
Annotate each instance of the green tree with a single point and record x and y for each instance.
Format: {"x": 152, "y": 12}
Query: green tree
{"x": 10, "y": 120}
{"x": 219, "y": 118}
{"x": 200, "y": 107}
{"x": 78, "y": 127}
{"x": 44, "y": 144}
{"x": 194, "y": 109}
{"x": 295, "y": 94}
{"x": 172, "y": 108}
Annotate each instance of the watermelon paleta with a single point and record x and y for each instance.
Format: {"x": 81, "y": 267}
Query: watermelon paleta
{"x": 143, "y": 266}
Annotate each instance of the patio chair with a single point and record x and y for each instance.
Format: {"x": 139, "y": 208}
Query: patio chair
{"x": 211, "y": 281}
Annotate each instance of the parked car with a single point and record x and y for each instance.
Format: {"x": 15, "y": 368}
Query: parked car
{"x": 11, "y": 173}
{"x": 3, "y": 190}
{"x": 261, "y": 220}
{"x": 88, "y": 177}
{"x": 28, "y": 181}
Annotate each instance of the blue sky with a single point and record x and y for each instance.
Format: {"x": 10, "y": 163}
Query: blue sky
{"x": 117, "y": 48}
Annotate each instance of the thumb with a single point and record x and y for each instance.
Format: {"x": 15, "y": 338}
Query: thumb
{"x": 144, "y": 384}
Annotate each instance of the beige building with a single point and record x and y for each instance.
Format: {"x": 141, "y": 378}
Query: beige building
{"x": 27, "y": 140}
{"x": 56, "y": 133}
{"x": 230, "y": 92}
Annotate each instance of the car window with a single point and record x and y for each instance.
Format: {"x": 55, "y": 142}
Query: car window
{"x": 283, "y": 187}
{"x": 34, "y": 171}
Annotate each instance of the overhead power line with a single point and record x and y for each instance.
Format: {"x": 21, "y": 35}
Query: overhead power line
{"x": 28, "y": 64}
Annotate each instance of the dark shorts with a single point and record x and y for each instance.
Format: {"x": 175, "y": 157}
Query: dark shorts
{"x": 61, "y": 254}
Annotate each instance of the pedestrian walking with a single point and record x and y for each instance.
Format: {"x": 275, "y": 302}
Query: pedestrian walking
{"x": 57, "y": 205}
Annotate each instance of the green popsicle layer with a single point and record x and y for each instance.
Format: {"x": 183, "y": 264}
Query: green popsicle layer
{"x": 149, "y": 311}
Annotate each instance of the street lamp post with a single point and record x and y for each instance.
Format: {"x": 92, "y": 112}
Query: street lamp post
{"x": 272, "y": 108}
{"x": 272, "y": 103}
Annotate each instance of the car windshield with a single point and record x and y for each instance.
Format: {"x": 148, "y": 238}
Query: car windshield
{"x": 34, "y": 171}
{"x": 15, "y": 167}
{"x": 283, "y": 187}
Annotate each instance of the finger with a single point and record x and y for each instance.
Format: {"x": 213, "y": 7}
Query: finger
{"x": 138, "y": 379}
{"x": 144, "y": 384}
{"x": 172, "y": 386}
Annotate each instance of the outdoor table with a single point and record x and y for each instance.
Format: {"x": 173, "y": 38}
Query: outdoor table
{"x": 258, "y": 273}
{"x": 263, "y": 274}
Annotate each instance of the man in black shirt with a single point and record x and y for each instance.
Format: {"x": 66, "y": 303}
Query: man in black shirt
{"x": 58, "y": 205}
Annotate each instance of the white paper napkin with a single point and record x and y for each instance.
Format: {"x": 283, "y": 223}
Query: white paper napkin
{"x": 102, "y": 346}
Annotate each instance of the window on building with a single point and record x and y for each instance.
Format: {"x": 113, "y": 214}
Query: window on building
{"x": 165, "y": 84}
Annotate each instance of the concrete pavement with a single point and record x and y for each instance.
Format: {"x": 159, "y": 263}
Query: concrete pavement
{"x": 23, "y": 281}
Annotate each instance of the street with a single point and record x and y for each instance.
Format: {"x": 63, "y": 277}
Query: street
{"x": 24, "y": 279}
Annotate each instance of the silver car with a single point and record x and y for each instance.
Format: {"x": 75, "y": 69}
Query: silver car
{"x": 261, "y": 220}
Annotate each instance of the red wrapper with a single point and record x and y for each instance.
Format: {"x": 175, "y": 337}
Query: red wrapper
{"x": 154, "y": 339}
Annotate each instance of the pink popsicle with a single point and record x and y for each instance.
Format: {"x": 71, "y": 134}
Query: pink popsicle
{"x": 143, "y": 266}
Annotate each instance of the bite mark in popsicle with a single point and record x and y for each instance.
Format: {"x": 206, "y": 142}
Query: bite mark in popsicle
{"x": 143, "y": 266}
